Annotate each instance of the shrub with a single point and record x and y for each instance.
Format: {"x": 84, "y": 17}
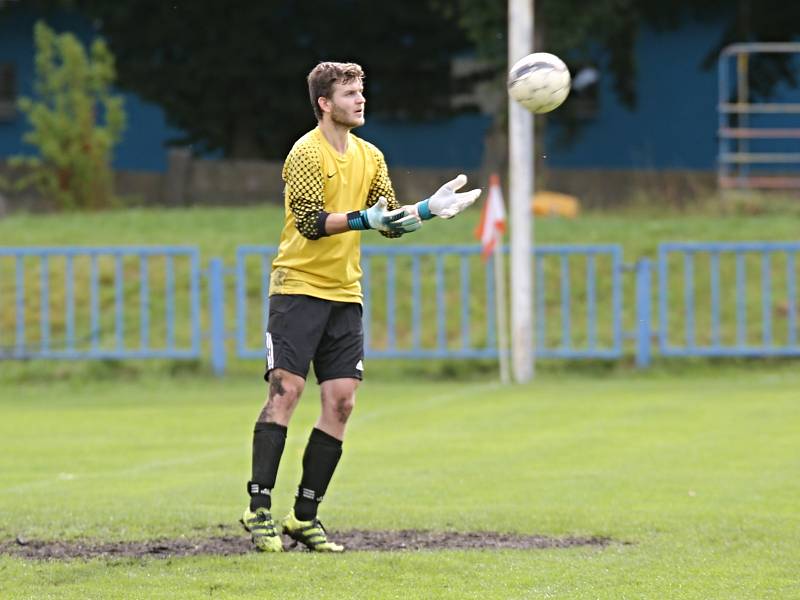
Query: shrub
{"x": 75, "y": 122}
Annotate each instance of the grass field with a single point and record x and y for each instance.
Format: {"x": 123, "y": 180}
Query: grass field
{"x": 694, "y": 477}
{"x": 690, "y": 469}
{"x": 218, "y": 231}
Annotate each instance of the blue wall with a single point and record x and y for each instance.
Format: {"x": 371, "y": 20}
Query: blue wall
{"x": 675, "y": 120}
{"x": 452, "y": 143}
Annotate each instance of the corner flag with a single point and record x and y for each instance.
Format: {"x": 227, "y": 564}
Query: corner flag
{"x": 490, "y": 233}
{"x": 493, "y": 218}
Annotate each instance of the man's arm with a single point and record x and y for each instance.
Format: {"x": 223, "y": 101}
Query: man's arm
{"x": 306, "y": 184}
{"x": 391, "y": 223}
{"x": 381, "y": 187}
{"x": 314, "y": 223}
{"x": 336, "y": 223}
{"x": 305, "y": 190}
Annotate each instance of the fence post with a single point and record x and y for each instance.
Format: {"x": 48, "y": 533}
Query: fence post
{"x": 216, "y": 299}
{"x": 643, "y": 313}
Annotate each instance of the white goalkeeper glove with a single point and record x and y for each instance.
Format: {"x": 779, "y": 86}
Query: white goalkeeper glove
{"x": 446, "y": 203}
{"x": 377, "y": 217}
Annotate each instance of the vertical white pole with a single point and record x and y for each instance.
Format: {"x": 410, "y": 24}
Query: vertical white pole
{"x": 501, "y": 303}
{"x": 520, "y": 152}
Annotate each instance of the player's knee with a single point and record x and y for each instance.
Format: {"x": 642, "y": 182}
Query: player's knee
{"x": 344, "y": 407}
{"x": 285, "y": 387}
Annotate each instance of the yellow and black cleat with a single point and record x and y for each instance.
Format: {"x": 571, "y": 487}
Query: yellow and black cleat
{"x": 309, "y": 533}
{"x": 262, "y": 530}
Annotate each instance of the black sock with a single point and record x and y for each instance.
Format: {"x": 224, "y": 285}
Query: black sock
{"x": 268, "y": 442}
{"x": 319, "y": 462}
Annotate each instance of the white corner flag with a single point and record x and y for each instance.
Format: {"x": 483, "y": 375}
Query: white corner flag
{"x": 493, "y": 218}
{"x": 490, "y": 232}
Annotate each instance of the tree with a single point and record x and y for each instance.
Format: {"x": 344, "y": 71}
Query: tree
{"x": 75, "y": 122}
{"x": 232, "y": 74}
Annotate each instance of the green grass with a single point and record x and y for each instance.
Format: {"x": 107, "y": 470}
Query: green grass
{"x": 218, "y": 231}
{"x": 694, "y": 476}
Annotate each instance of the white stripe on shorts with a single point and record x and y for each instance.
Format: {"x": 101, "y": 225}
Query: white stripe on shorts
{"x": 270, "y": 355}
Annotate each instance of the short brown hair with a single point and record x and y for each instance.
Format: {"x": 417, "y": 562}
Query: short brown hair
{"x": 324, "y": 75}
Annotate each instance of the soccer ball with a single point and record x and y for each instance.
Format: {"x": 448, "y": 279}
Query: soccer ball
{"x": 539, "y": 82}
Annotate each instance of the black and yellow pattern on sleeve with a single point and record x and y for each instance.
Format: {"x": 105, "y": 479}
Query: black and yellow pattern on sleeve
{"x": 382, "y": 186}
{"x": 305, "y": 186}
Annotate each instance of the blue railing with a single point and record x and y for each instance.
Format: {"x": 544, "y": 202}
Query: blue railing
{"x": 702, "y": 287}
{"x": 114, "y": 302}
{"x": 450, "y": 307}
{"x": 420, "y": 302}
{"x": 581, "y": 294}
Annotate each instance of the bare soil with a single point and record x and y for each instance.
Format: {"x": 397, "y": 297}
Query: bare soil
{"x": 228, "y": 545}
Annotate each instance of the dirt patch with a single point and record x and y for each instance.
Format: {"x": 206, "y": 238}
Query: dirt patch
{"x": 355, "y": 540}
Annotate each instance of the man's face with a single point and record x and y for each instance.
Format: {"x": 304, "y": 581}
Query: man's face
{"x": 347, "y": 104}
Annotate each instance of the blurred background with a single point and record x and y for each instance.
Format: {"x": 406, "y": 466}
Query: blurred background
{"x": 213, "y": 94}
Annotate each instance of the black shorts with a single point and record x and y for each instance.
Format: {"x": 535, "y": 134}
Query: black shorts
{"x": 302, "y": 329}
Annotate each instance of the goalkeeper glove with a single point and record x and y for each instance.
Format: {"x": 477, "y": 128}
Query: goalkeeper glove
{"x": 377, "y": 217}
{"x": 446, "y": 203}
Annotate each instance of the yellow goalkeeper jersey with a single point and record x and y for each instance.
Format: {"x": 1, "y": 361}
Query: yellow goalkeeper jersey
{"x": 317, "y": 177}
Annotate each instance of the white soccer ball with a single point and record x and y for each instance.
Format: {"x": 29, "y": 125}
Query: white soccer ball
{"x": 539, "y": 82}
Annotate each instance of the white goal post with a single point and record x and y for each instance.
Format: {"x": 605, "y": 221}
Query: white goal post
{"x": 521, "y": 182}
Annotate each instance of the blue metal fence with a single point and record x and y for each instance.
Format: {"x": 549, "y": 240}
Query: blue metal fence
{"x": 704, "y": 286}
{"x": 451, "y": 308}
{"x": 420, "y": 302}
{"x": 578, "y": 301}
{"x": 115, "y": 302}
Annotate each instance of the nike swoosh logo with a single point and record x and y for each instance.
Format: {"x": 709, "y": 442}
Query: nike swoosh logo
{"x": 331, "y": 175}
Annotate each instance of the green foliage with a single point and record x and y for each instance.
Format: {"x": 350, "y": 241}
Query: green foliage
{"x": 75, "y": 122}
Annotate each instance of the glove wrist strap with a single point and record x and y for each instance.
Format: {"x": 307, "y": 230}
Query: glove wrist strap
{"x": 357, "y": 220}
{"x": 424, "y": 210}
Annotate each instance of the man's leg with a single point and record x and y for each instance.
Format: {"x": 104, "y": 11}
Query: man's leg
{"x": 338, "y": 364}
{"x": 320, "y": 458}
{"x": 294, "y": 328}
{"x": 269, "y": 436}
{"x": 324, "y": 446}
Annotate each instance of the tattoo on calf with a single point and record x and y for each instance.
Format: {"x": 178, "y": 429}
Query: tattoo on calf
{"x": 266, "y": 413}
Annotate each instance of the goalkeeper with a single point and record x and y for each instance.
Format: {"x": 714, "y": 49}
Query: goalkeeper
{"x": 336, "y": 186}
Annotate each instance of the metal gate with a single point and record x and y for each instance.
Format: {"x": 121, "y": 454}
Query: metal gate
{"x": 758, "y": 141}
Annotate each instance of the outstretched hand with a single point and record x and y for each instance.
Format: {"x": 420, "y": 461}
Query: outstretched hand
{"x": 447, "y": 202}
